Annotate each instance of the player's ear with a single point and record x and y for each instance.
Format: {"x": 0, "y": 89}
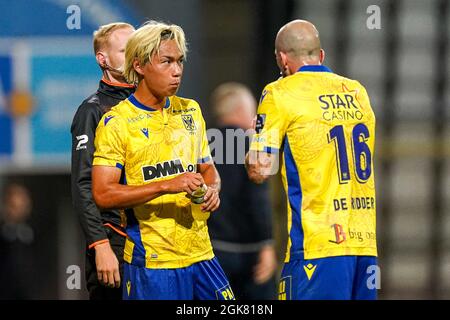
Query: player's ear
{"x": 285, "y": 63}
{"x": 137, "y": 66}
{"x": 101, "y": 59}
{"x": 321, "y": 56}
{"x": 284, "y": 59}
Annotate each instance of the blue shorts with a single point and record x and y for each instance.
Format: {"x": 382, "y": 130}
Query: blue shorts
{"x": 203, "y": 280}
{"x": 331, "y": 278}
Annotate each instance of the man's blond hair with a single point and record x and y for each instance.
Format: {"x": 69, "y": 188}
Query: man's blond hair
{"x": 225, "y": 97}
{"x": 146, "y": 41}
{"x": 101, "y": 36}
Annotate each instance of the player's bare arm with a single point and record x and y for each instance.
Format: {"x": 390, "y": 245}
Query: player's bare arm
{"x": 259, "y": 165}
{"x": 212, "y": 180}
{"x": 109, "y": 193}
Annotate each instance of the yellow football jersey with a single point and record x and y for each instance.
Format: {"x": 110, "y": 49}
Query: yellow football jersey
{"x": 151, "y": 145}
{"x": 325, "y": 128}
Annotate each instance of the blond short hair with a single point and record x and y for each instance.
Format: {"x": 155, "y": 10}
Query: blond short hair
{"x": 224, "y": 98}
{"x": 101, "y": 36}
{"x": 146, "y": 41}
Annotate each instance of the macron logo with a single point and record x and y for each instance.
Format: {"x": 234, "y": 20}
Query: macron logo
{"x": 145, "y": 131}
{"x": 107, "y": 119}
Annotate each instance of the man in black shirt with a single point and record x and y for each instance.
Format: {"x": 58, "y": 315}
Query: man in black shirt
{"x": 104, "y": 233}
{"x": 241, "y": 229}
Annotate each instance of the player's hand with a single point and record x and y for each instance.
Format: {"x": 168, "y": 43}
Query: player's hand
{"x": 260, "y": 165}
{"x": 107, "y": 265}
{"x": 267, "y": 264}
{"x": 212, "y": 200}
{"x": 187, "y": 182}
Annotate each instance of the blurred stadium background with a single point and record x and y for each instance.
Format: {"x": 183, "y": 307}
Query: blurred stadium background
{"x": 47, "y": 69}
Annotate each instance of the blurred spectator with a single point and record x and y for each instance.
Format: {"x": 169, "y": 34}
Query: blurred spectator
{"x": 16, "y": 240}
{"x": 241, "y": 230}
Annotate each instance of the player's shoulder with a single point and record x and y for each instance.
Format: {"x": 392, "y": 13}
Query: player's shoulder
{"x": 268, "y": 91}
{"x": 89, "y": 110}
{"x": 116, "y": 115}
{"x": 89, "y": 105}
{"x": 279, "y": 86}
{"x": 275, "y": 92}
{"x": 348, "y": 82}
{"x": 122, "y": 108}
{"x": 180, "y": 104}
{"x": 271, "y": 86}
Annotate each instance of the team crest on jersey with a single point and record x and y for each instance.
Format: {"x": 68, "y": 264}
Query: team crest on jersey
{"x": 260, "y": 121}
{"x": 188, "y": 122}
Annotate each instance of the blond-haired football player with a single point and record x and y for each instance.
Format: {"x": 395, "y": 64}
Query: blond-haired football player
{"x": 159, "y": 141}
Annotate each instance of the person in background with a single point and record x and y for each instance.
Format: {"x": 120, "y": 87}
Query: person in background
{"x": 241, "y": 229}
{"x": 17, "y": 238}
{"x": 105, "y": 236}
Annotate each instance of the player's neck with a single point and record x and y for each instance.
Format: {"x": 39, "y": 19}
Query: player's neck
{"x": 109, "y": 78}
{"x": 145, "y": 96}
{"x": 311, "y": 62}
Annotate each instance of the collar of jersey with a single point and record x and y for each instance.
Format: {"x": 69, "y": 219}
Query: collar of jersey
{"x": 139, "y": 105}
{"x": 314, "y": 68}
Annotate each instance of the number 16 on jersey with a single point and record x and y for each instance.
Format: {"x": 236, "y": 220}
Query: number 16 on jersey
{"x": 361, "y": 154}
